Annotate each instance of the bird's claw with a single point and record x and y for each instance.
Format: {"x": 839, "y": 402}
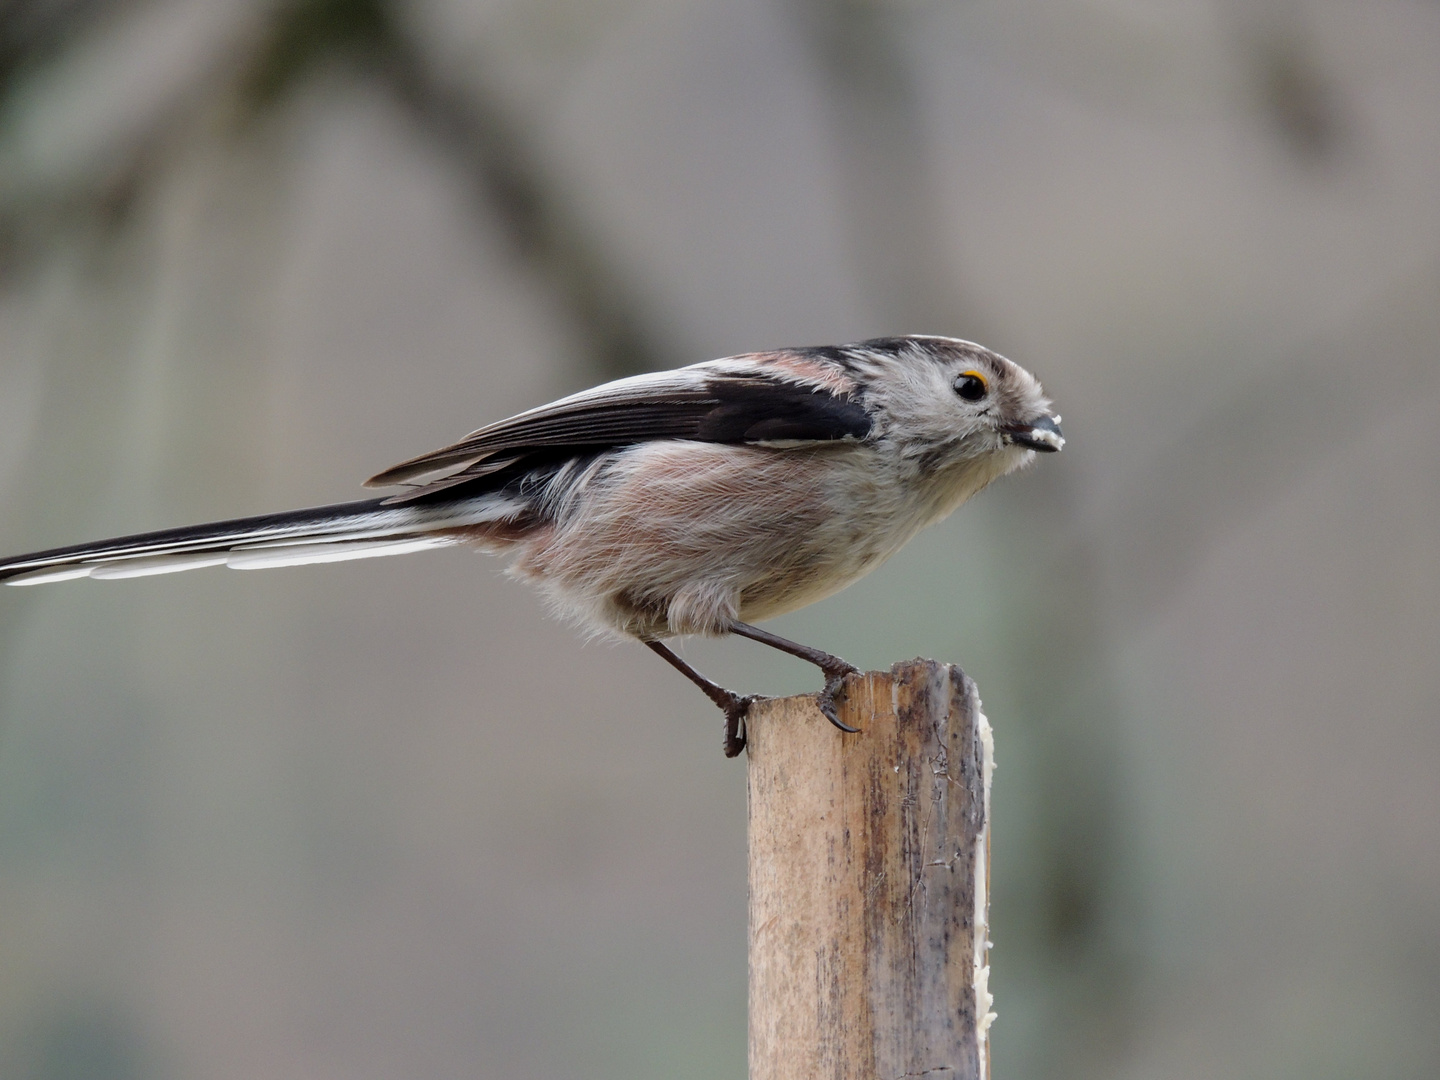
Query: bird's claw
{"x": 737, "y": 708}
{"x": 834, "y": 683}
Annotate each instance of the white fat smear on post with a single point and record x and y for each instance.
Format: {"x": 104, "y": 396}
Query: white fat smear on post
{"x": 984, "y": 1014}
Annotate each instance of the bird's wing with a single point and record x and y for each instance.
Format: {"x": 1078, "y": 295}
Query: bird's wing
{"x": 789, "y": 397}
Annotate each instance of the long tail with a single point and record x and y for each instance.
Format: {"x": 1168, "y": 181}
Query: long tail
{"x": 357, "y": 530}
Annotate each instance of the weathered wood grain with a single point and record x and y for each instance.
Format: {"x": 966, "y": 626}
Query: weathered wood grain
{"x": 868, "y": 882}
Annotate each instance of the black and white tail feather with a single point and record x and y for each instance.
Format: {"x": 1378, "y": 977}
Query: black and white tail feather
{"x": 686, "y": 501}
{"x": 357, "y": 530}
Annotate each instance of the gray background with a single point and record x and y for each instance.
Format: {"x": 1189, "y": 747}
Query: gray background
{"x": 385, "y": 819}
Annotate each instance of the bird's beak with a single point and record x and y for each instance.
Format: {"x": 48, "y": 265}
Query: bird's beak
{"x": 1043, "y": 435}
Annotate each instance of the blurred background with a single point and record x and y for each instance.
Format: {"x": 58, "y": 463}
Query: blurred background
{"x": 385, "y": 819}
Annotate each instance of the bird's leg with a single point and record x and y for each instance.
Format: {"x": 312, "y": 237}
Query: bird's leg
{"x": 833, "y": 667}
{"x": 736, "y": 707}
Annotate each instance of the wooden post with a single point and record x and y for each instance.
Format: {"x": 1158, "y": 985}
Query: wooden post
{"x": 869, "y": 880}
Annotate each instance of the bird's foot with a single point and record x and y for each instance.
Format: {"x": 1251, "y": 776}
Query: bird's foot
{"x": 737, "y": 710}
{"x": 833, "y": 667}
{"x": 835, "y": 674}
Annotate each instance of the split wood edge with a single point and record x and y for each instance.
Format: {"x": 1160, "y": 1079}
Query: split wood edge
{"x": 869, "y": 881}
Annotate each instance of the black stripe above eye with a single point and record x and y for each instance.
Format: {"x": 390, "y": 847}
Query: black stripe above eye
{"x": 892, "y": 345}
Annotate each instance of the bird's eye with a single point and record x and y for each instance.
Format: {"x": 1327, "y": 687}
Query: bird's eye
{"x": 971, "y": 386}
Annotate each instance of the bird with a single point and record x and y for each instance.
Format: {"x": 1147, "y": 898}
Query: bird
{"x": 699, "y": 500}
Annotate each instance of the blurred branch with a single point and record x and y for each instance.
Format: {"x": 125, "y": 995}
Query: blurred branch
{"x": 490, "y": 149}
{"x": 542, "y": 222}
{"x": 36, "y": 208}
{"x": 507, "y": 174}
{"x": 32, "y": 217}
{"x": 1296, "y": 95}
{"x": 34, "y": 32}
{"x": 1289, "y": 82}
{"x": 304, "y": 35}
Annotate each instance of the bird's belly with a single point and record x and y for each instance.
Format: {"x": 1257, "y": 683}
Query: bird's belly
{"x": 687, "y": 537}
{"x": 819, "y": 570}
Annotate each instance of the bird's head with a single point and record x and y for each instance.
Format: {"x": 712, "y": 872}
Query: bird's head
{"x": 942, "y": 401}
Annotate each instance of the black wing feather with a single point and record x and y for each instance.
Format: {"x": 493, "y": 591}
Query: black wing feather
{"x": 717, "y": 406}
{"x": 750, "y": 409}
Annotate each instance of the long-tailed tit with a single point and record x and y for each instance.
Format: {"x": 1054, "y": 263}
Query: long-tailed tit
{"x": 693, "y": 501}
